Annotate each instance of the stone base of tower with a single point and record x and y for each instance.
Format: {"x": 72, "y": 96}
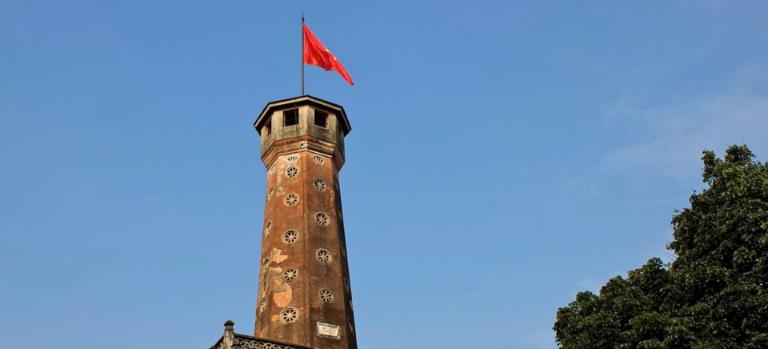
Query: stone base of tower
{"x": 232, "y": 340}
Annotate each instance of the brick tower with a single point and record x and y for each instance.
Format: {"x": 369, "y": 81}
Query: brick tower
{"x": 304, "y": 296}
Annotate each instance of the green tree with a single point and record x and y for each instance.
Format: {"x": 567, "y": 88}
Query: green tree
{"x": 715, "y": 293}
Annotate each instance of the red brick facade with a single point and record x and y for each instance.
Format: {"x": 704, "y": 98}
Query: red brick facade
{"x": 304, "y": 295}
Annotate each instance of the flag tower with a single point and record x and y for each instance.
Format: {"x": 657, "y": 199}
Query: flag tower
{"x": 304, "y": 296}
{"x": 304, "y": 289}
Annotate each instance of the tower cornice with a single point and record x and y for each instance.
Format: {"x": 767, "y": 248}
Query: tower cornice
{"x": 298, "y": 101}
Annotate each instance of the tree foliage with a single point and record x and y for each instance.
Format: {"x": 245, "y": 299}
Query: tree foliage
{"x": 715, "y": 293}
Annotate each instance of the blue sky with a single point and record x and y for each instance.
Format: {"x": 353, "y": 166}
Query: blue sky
{"x": 504, "y": 156}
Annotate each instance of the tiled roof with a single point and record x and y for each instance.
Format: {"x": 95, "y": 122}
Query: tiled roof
{"x": 242, "y": 341}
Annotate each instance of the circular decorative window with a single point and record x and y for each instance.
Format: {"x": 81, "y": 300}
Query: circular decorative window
{"x": 292, "y": 158}
{"x": 326, "y": 295}
{"x": 323, "y": 255}
{"x": 291, "y": 199}
{"x": 262, "y": 305}
{"x": 318, "y": 159}
{"x": 267, "y": 228}
{"x": 320, "y": 185}
{"x": 290, "y": 274}
{"x": 289, "y": 315}
{"x": 291, "y": 171}
{"x": 322, "y": 218}
{"x": 290, "y": 236}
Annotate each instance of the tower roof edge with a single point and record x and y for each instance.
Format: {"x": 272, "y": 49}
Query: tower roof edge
{"x": 302, "y": 100}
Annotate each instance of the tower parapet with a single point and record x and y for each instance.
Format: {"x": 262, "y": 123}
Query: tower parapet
{"x": 302, "y": 123}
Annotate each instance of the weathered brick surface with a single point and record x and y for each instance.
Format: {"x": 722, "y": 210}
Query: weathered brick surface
{"x": 303, "y": 201}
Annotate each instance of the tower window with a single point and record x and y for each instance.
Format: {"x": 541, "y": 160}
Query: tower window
{"x": 322, "y": 218}
{"x": 326, "y": 295}
{"x": 268, "y": 128}
{"x": 290, "y": 274}
{"x": 262, "y": 305}
{"x": 321, "y": 118}
{"x": 323, "y": 255}
{"x": 290, "y": 117}
{"x": 291, "y": 171}
{"x": 320, "y": 185}
{"x": 291, "y": 199}
{"x": 289, "y": 315}
{"x": 265, "y": 263}
{"x": 267, "y": 228}
{"x": 290, "y": 236}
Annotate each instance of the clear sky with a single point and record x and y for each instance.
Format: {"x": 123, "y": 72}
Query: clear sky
{"x": 504, "y": 156}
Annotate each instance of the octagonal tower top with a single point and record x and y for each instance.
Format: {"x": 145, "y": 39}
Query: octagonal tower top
{"x": 302, "y": 123}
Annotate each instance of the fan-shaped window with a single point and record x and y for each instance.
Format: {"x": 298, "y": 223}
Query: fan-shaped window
{"x": 291, "y": 199}
{"x": 262, "y": 304}
{"x": 290, "y": 236}
{"x": 320, "y": 184}
{"x": 267, "y": 228}
{"x": 291, "y": 171}
{"x": 326, "y": 295}
{"x": 290, "y": 274}
{"x": 323, "y": 255}
{"x": 289, "y": 315}
{"x": 322, "y": 218}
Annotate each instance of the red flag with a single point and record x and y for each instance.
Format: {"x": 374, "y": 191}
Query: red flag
{"x": 315, "y": 53}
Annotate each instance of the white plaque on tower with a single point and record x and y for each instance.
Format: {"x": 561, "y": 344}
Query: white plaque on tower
{"x": 328, "y": 330}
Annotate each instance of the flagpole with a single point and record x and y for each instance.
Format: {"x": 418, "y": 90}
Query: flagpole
{"x": 302, "y": 53}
